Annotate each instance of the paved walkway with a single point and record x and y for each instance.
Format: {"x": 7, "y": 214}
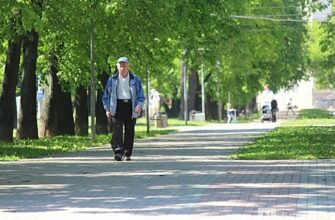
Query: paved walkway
{"x": 187, "y": 175}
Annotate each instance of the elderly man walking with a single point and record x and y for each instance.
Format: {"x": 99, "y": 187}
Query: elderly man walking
{"x": 123, "y": 101}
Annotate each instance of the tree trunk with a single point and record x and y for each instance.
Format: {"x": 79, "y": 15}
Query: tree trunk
{"x": 65, "y": 117}
{"x": 220, "y": 109}
{"x": 81, "y": 112}
{"x": 174, "y": 108}
{"x": 103, "y": 124}
{"x": 7, "y": 97}
{"x": 253, "y": 105}
{"x": 211, "y": 109}
{"x": 57, "y": 113}
{"x": 193, "y": 91}
{"x": 28, "y": 120}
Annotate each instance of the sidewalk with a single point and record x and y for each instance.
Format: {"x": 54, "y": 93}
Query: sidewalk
{"x": 187, "y": 175}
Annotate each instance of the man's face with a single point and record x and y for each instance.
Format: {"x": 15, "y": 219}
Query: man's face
{"x": 123, "y": 68}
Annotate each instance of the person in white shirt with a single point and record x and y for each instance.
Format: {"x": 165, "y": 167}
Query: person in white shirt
{"x": 290, "y": 107}
{"x": 123, "y": 101}
{"x": 267, "y": 95}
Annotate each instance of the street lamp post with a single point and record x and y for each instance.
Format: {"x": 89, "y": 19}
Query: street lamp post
{"x": 203, "y": 110}
{"x": 93, "y": 99}
{"x": 185, "y": 89}
{"x": 148, "y": 102}
{"x": 219, "y": 91}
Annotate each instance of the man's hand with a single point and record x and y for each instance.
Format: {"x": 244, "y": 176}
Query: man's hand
{"x": 138, "y": 109}
{"x": 108, "y": 114}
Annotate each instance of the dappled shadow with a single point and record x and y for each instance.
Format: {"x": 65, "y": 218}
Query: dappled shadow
{"x": 184, "y": 173}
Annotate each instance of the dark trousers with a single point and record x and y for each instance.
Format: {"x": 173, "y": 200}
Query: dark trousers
{"x": 123, "y": 129}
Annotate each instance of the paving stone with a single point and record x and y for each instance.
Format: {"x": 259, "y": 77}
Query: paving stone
{"x": 186, "y": 175}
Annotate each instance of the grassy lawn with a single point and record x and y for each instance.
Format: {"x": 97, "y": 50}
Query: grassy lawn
{"x": 311, "y": 136}
{"x": 21, "y": 149}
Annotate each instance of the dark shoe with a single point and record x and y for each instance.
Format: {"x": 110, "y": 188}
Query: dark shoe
{"x": 128, "y": 159}
{"x": 118, "y": 157}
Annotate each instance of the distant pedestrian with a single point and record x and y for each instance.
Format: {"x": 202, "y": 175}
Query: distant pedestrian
{"x": 123, "y": 101}
{"x": 269, "y": 105}
{"x": 231, "y": 113}
{"x": 290, "y": 107}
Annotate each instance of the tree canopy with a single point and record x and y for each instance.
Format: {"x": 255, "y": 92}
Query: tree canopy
{"x": 243, "y": 44}
{"x": 322, "y": 51}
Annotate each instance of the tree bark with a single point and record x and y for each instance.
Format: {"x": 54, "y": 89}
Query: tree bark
{"x": 253, "y": 105}
{"x": 103, "y": 126}
{"x": 174, "y": 109}
{"x": 57, "y": 113}
{"x": 211, "y": 109}
{"x": 27, "y": 128}
{"x": 81, "y": 111}
{"x": 193, "y": 91}
{"x": 7, "y": 97}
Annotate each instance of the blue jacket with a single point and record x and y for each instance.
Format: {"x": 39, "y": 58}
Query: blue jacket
{"x": 109, "y": 98}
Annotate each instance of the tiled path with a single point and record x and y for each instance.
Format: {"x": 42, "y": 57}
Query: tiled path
{"x": 187, "y": 175}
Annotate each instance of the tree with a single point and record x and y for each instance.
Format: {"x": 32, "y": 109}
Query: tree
{"x": 7, "y": 97}
{"x": 265, "y": 47}
{"x": 81, "y": 111}
{"x": 56, "y": 114}
{"x": 102, "y": 122}
{"x": 28, "y": 115}
{"x": 251, "y": 49}
{"x": 27, "y": 128}
{"x": 322, "y": 52}
{"x": 62, "y": 26}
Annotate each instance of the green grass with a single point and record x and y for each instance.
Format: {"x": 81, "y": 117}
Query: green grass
{"x": 312, "y": 136}
{"x": 292, "y": 143}
{"x": 314, "y": 113}
{"x": 21, "y": 149}
{"x": 309, "y": 122}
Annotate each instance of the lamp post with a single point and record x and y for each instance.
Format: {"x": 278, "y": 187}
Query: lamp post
{"x": 93, "y": 99}
{"x": 148, "y": 102}
{"x": 219, "y": 91}
{"x": 185, "y": 89}
{"x": 203, "y": 110}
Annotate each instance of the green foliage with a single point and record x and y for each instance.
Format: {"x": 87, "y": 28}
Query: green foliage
{"x": 322, "y": 52}
{"x": 66, "y": 36}
{"x": 157, "y": 34}
{"x": 258, "y": 47}
{"x": 2, "y": 66}
{"x": 315, "y": 33}
{"x": 143, "y": 31}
